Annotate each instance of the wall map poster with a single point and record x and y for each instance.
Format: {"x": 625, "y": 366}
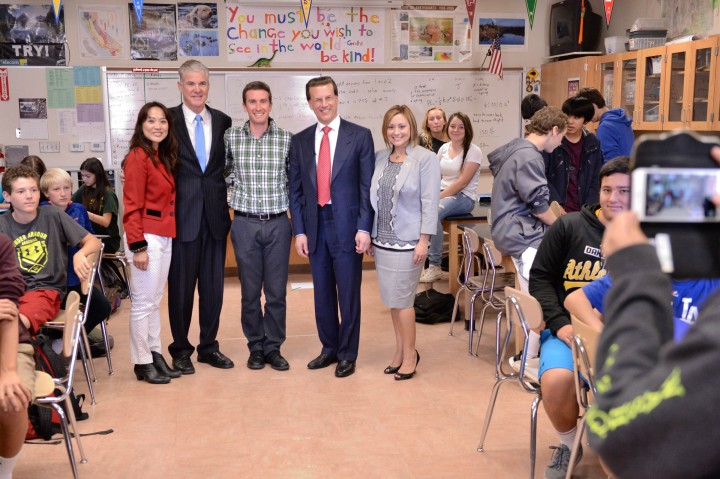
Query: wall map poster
{"x": 29, "y": 35}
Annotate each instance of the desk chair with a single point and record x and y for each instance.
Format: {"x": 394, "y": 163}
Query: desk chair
{"x": 584, "y": 349}
{"x": 522, "y": 311}
{"x": 45, "y": 385}
{"x": 492, "y": 292}
{"x": 58, "y": 323}
{"x": 465, "y": 277}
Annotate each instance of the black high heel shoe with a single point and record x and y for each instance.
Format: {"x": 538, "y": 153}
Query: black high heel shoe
{"x": 148, "y": 373}
{"x": 392, "y": 369}
{"x": 162, "y": 367}
{"x": 403, "y": 376}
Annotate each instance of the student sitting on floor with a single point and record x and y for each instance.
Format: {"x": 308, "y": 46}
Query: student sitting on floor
{"x": 40, "y": 236}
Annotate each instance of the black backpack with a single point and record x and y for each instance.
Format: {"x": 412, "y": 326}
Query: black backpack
{"x": 433, "y": 307}
{"x": 44, "y": 422}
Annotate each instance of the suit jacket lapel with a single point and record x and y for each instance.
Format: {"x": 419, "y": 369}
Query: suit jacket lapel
{"x": 342, "y": 149}
{"x": 215, "y": 134}
{"x": 184, "y": 135}
{"x": 407, "y": 165}
{"x": 309, "y": 158}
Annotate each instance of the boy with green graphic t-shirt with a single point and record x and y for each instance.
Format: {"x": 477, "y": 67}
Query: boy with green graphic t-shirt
{"x": 40, "y": 236}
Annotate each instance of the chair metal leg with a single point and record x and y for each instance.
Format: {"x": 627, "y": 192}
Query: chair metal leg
{"x": 472, "y": 322}
{"x": 88, "y": 355}
{"x": 456, "y": 307}
{"x": 75, "y": 430}
{"x": 488, "y": 414}
{"x": 576, "y": 446}
{"x": 107, "y": 347}
{"x": 480, "y": 329}
{"x": 66, "y": 435}
{"x": 533, "y": 433}
{"x": 87, "y": 373}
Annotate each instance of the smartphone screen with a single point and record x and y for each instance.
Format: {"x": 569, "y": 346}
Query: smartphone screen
{"x": 675, "y": 195}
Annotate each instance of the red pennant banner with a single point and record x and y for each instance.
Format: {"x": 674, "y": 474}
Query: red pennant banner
{"x": 470, "y": 4}
{"x": 608, "y": 11}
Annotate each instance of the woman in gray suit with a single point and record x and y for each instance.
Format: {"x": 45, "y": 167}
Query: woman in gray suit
{"x": 404, "y": 193}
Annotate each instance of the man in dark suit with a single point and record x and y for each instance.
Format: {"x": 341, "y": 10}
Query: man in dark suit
{"x": 331, "y": 166}
{"x": 203, "y": 221}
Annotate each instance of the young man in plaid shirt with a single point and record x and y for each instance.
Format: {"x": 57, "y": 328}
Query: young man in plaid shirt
{"x": 257, "y": 157}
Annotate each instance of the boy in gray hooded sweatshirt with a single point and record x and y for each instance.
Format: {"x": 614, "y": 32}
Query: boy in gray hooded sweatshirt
{"x": 520, "y": 207}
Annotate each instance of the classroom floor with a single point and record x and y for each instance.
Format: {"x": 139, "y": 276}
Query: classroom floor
{"x": 302, "y": 423}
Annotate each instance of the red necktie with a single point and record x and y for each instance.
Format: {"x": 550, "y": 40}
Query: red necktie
{"x": 324, "y": 168}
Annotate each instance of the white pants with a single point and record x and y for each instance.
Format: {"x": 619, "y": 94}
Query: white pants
{"x": 148, "y": 288}
{"x": 523, "y": 263}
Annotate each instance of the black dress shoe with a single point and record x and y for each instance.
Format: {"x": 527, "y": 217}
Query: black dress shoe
{"x": 322, "y": 361}
{"x": 403, "y": 376}
{"x": 344, "y": 368}
{"x": 147, "y": 372}
{"x": 183, "y": 364}
{"x": 162, "y": 366}
{"x": 392, "y": 369}
{"x": 256, "y": 360}
{"x": 216, "y": 359}
{"x": 277, "y": 362}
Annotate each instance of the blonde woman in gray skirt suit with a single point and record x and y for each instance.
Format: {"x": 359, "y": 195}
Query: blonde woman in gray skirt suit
{"x": 404, "y": 192}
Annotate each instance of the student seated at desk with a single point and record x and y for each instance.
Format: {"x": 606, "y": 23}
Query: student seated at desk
{"x": 460, "y": 163}
{"x": 40, "y": 236}
{"x": 100, "y": 201}
{"x": 569, "y": 257}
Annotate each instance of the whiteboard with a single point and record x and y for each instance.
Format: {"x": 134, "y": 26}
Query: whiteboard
{"x": 492, "y": 104}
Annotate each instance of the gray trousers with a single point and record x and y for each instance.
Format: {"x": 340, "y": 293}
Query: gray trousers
{"x": 262, "y": 252}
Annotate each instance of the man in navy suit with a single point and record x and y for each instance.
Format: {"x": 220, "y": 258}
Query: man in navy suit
{"x": 203, "y": 221}
{"x": 331, "y": 223}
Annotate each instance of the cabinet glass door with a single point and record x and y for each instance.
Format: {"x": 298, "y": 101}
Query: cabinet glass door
{"x": 701, "y": 94}
{"x": 649, "y": 93}
{"x": 629, "y": 78}
{"x": 651, "y": 89}
{"x": 607, "y": 82}
{"x": 676, "y": 77}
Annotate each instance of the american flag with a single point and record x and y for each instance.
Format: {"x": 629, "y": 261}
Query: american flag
{"x": 495, "y": 58}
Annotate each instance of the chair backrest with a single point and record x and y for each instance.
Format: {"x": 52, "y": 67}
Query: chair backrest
{"x": 524, "y": 311}
{"x": 522, "y": 308}
{"x": 585, "y": 343}
{"x": 492, "y": 254}
{"x": 471, "y": 245}
{"x": 94, "y": 259}
{"x": 73, "y": 323}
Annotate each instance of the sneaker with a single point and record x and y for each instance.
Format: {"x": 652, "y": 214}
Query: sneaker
{"x": 557, "y": 469}
{"x": 515, "y": 361}
{"x": 433, "y": 273}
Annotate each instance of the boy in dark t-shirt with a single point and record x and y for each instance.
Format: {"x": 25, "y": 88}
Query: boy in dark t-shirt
{"x": 40, "y": 237}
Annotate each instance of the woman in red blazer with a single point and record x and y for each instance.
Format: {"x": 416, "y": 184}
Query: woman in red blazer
{"x": 149, "y": 221}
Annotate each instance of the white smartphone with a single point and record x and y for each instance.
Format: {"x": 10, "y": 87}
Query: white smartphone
{"x": 675, "y": 195}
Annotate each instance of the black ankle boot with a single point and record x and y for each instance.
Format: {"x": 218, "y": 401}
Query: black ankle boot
{"x": 162, "y": 366}
{"x": 148, "y": 373}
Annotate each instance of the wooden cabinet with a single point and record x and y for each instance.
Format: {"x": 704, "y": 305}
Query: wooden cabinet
{"x": 615, "y": 76}
{"x": 555, "y": 78}
{"x": 663, "y": 88}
